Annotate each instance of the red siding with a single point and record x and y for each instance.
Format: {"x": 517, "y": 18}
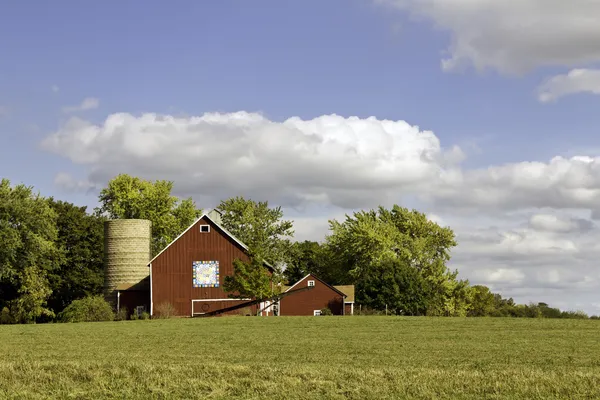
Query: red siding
{"x": 306, "y": 302}
{"x": 172, "y": 270}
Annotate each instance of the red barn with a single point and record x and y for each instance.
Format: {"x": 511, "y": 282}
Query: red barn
{"x": 189, "y": 273}
{"x": 188, "y": 276}
{"x": 322, "y": 296}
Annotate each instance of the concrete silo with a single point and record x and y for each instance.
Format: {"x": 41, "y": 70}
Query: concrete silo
{"x": 126, "y": 254}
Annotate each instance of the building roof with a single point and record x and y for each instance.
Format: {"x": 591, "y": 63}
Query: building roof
{"x": 144, "y": 284}
{"x": 211, "y": 216}
{"x": 348, "y": 290}
{"x": 287, "y": 288}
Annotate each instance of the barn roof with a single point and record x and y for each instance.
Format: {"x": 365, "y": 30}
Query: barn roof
{"x": 320, "y": 280}
{"x": 348, "y": 290}
{"x": 210, "y": 215}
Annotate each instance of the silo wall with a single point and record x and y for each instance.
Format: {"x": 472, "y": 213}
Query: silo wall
{"x": 126, "y": 253}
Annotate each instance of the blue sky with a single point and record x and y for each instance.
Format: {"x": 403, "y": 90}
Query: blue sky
{"x": 310, "y": 59}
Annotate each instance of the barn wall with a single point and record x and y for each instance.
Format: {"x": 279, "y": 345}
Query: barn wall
{"x": 318, "y": 298}
{"x": 130, "y": 299}
{"x": 172, "y": 270}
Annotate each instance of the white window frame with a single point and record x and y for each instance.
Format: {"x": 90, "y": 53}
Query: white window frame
{"x": 317, "y": 313}
{"x": 311, "y": 283}
{"x": 208, "y": 226}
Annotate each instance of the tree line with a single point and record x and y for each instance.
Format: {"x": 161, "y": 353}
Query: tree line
{"x": 51, "y": 253}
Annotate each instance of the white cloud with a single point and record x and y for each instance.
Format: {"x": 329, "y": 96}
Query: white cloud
{"x": 576, "y": 81}
{"x": 89, "y": 103}
{"x": 68, "y": 183}
{"x": 513, "y": 36}
{"x": 560, "y": 183}
{"x": 556, "y": 223}
{"x": 347, "y": 162}
{"x": 55, "y": 88}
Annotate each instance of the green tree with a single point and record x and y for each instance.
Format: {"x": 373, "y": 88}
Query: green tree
{"x": 249, "y": 280}
{"x": 128, "y": 197}
{"x": 267, "y": 236}
{"x": 483, "y": 302}
{"x": 368, "y": 239}
{"x": 81, "y": 237}
{"x": 307, "y": 257}
{"x": 393, "y": 283}
{"x": 259, "y": 226}
{"x": 28, "y": 253}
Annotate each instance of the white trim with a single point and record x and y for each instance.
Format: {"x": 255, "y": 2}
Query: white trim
{"x": 151, "y": 307}
{"x": 118, "y": 300}
{"x": 318, "y": 279}
{"x": 291, "y": 287}
{"x": 309, "y": 283}
{"x": 203, "y": 225}
{"x": 205, "y": 214}
{"x": 352, "y": 308}
{"x": 315, "y": 313}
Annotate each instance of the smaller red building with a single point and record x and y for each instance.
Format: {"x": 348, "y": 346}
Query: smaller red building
{"x": 313, "y": 301}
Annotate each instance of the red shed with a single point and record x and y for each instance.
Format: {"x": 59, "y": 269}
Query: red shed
{"x": 189, "y": 273}
{"x": 311, "y": 302}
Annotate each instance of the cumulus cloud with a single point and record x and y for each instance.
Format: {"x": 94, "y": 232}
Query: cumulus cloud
{"x": 68, "y": 183}
{"x": 347, "y": 162}
{"x": 556, "y": 223}
{"x": 576, "y": 81}
{"x": 89, "y": 103}
{"x": 560, "y": 183}
{"x": 513, "y": 36}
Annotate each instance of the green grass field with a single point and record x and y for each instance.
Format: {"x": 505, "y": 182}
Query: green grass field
{"x": 293, "y": 358}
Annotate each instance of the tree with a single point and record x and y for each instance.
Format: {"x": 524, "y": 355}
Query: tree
{"x": 81, "y": 237}
{"x": 260, "y": 227}
{"x": 306, "y": 257}
{"x": 369, "y": 239}
{"x": 268, "y": 239}
{"x": 249, "y": 280}
{"x": 393, "y": 284}
{"x": 482, "y": 303}
{"x": 28, "y": 253}
{"x": 128, "y": 197}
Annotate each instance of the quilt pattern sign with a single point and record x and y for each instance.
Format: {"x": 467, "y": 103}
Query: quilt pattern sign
{"x": 205, "y": 274}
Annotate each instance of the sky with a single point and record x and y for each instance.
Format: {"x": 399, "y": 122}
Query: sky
{"x": 481, "y": 114}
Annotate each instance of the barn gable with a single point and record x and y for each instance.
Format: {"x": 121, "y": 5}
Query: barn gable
{"x": 311, "y": 302}
{"x": 189, "y": 273}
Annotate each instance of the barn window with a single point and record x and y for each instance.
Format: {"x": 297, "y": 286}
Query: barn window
{"x": 204, "y": 228}
{"x": 311, "y": 283}
{"x": 317, "y": 313}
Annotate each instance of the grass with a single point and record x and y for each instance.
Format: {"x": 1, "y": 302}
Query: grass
{"x": 303, "y": 358}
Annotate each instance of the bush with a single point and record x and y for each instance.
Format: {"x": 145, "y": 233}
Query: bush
{"x": 88, "y": 309}
{"x": 595, "y": 317}
{"x": 326, "y": 311}
{"x": 134, "y": 317}
{"x": 364, "y": 310}
{"x": 145, "y": 315}
{"x": 122, "y": 314}
{"x": 5, "y": 317}
{"x": 164, "y": 310}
